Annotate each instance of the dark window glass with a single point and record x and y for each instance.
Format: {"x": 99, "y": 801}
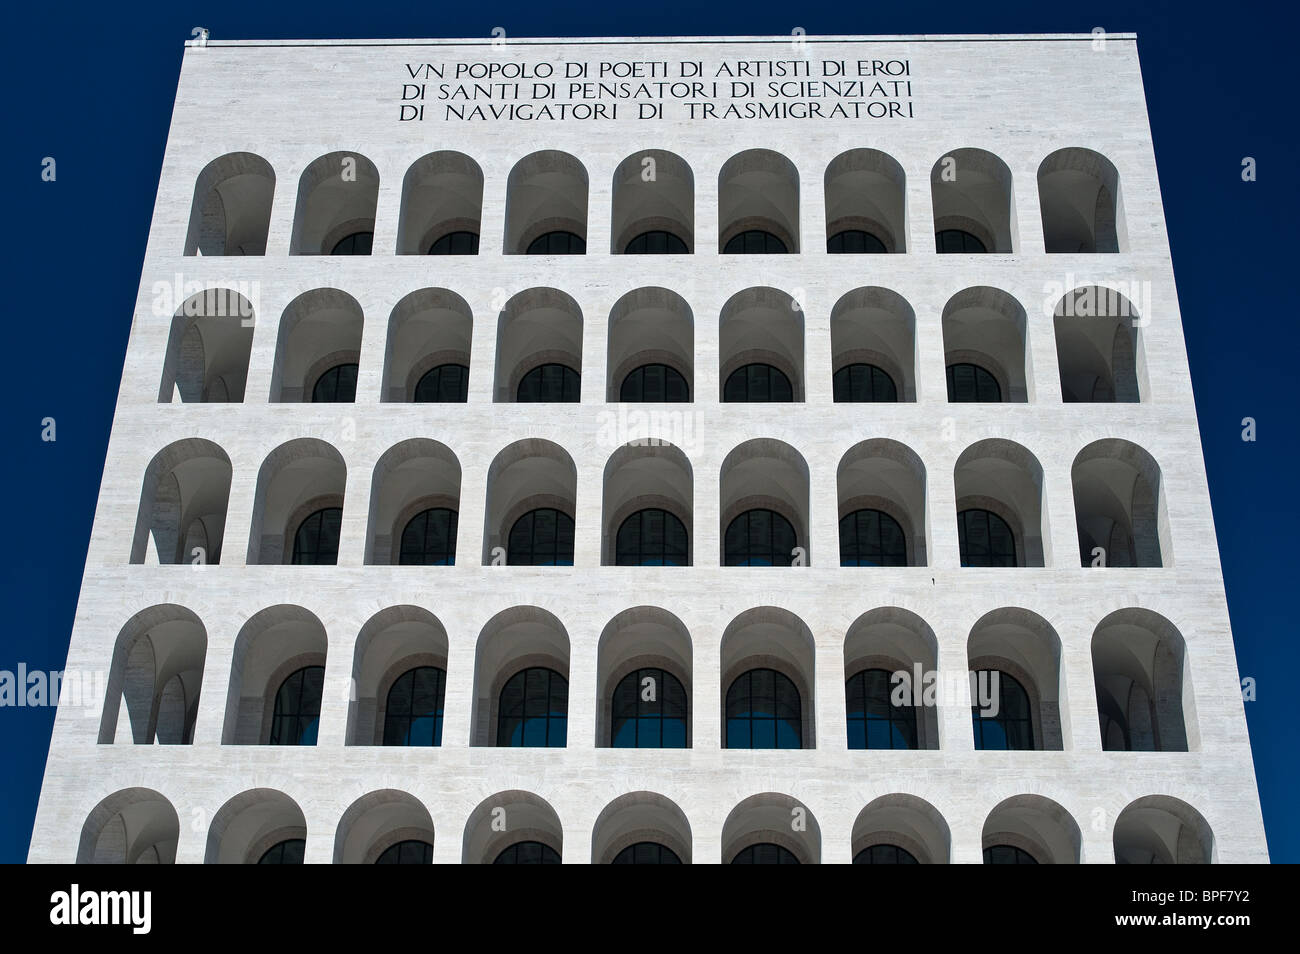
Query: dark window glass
{"x": 969, "y": 384}
{"x": 542, "y": 537}
{"x": 557, "y": 243}
{"x": 656, "y": 243}
{"x": 863, "y": 383}
{"x": 429, "y": 539}
{"x": 955, "y": 240}
{"x": 297, "y": 707}
{"x": 874, "y": 721}
{"x": 765, "y": 853}
{"x": 407, "y": 853}
{"x": 358, "y": 243}
{"x": 884, "y": 855}
{"x": 764, "y": 712}
{"x": 338, "y": 385}
{"x": 854, "y": 241}
{"x": 648, "y": 711}
{"x": 413, "y": 711}
{"x": 759, "y": 538}
{"x": 456, "y": 243}
{"x": 646, "y": 853}
{"x": 655, "y": 383}
{"x": 871, "y": 538}
{"x": 754, "y": 242}
{"x": 652, "y": 538}
{"x": 755, "y": 383}
{"x": 1007, "y": 855}
{"x": 534, "y": 710}
{"x": 317, "y": 541}
{"x": 549, "y": 382}
{"x": 528, "y": 853}
{"x": 288, "y": 852}
{"x": 445, "y": 384}
{"x": 1012, "y": 728}
{"x": 984, "y": 539}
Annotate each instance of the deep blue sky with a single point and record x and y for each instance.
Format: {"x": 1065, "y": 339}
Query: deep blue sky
{"x": 92, "y": 85}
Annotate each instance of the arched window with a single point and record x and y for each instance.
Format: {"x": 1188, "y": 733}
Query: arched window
{"x": 413, "y": 712}
{"x": 874, "y": 721}
{"x": 411, "y": 852}
{"x": 445, "y": 384}
{"x": 759, "y": 538}
{"x": 1007, "y": 855}
{"x": 528, "y": 853}
{"x": 557, "y": 243}
{"x": 984, "y": 539}
{"x": 871, "y": 538}
{"x": 456, "y": 243}
{"x": 649, "y": 711}
{"x": 549, "y": 382}
{"x": 754, "y": 242}
{"x": 429, "y": 539}
{"x": 646, "y": 853}
{"x": 884, "y": 855}
{"x": 534, "y": 710}
{"x": 338, "y": 385}
{"x": 287, "y": 852}
{"x": 969, "y": 384}
{"x": 1011, "y": 726}
{"x": 317, "y": 541}
{"x": 652, "y": 538}
{"x": 955, "y": 240}
{"x": 358, "y": 243}
{"x": 765, "y": 853}
{"x": 859, "y": 383}
{"x": 655, "y": 383}
{"x": 656, "y": 243}
{"x": 757, "y": 382}
{"x": 764, "y": 712}
{"x": 542, "y": 537}
{"x": 297, "y": 707}
{"x": 854, "y": 241}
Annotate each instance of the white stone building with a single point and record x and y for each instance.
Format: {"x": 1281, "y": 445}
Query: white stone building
{"x": 1001, "y": 448}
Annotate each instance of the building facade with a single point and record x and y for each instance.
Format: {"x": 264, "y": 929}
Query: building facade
{"x": 554, "y": 450}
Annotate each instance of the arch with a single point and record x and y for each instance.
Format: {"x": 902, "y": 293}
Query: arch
{"x": 376, "y": 822}
{"x": 771, "y": 638}
{"x": 639, "y": 817}
{"x": 1119, "y": 506}
{"x": 866, "y": 191}
{"x": 337, "y": 197}
{"x": 971, "y": 192}
{"x": 250, "y": 824}
{"x": 231, "y": 211}
{"x": 208, "y": 346}
{"x": 319, "y": 330}
{"x": 1078, "y": 195}
{"x": 1100, "y": 353}
{"x": 133, "y": 826}
{"x": 546, "y": 192}
{"x": 761, "y": 326}
{"x": 410, "y": 477}
{"x": 646, "y": 476}
{"x": 524, "y": 476}
{"x": 898, "y": 641}
{"x": 1161, "y": 829}
{"x": 1037, "y": 825}
{"x": 1004, "y": 478}
{"x": 988, "y": 328}
{"x": 649, "y": 325}
{"x": 427, "y": 329}
{"x": 765, "y": 474}
{"x": 442, "y": 193}
{"x": 877, "y": 327}
{"x": 885, "y": 476}
{"x": 390, "y": 644}
{"x": 274, "y": 643}
{"x": 537, "y": 326}
{"x": 526, "y": 817}
{"x": 766, "y": 819}
{"x": 157, "y": 670}
{"x": 641, "y": 637}
{"x": 1140, "y": 669}
{"x": 512, "y": 641}
{"x": 297, "y": 479}
{"x": 758, "y": 190}
{"x": 1022, "y": 648}
{"x": 906, "y": 822}
{"x": 653, "y": 191}
{"x": 183, "y": 499}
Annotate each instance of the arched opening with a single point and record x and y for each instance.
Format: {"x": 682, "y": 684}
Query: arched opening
{"x": 1162, "y": 830}
{"x": 183, "y": 498}
{"x": 1144, "y": 688}
{"x": 1000, "y": 519}
{"x": 881, "y": 485}
{"x": 866, "y": 203}
{"x": 873, "y": 347}
{"x": 384, "y": 827}
{"x": 1119, "y": 506}
{"x": 260, "y": 826}
{"x": 135, "y": 826}
{"x": 297, "y": 483}
{"x": 771, "y": 828}
{"x": 521, "y": 672}
{"x": 520, "y": 823}
{"x": 768, "y": 681}
{"x": 973, "y": 206}
{"x": 758, "y": 204}
{"x": 539, "y": 348}
{"x": 651, "y": 351}
{"x": 888, "y": 652}
{"x": 335, "y": 211}
{"x": 653, "y": 205}
{"x": 231, "y": 211}
{"x": 893, "y": 828}
{"x": 648, "y": 507}
{"x": 643, "y": 675}
{"x": 319, "y": 337}
{"x": 157, "y": 670}
{"x": 641, "y": 828}
{"x": 546, "y": 205}
{"x": 442, "y": 206}
{"x": 427, "y": 353}
{"x": 1032, "y": 825}
{"x": 761, "y": 347}
{"x": 414, "y": 504}
{"x": 1016, "y": 687}
{"x": 399, "y": 669}
{"x": 985, "y": 350}
{"x": 529, "y": 475}
{"x": 1078, "y": 191}
{"x": 1099, "y": 349}
{"x": 207, "y": 349}
{"x": 764, "y": 506}
{"x": 276, "y": 675}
